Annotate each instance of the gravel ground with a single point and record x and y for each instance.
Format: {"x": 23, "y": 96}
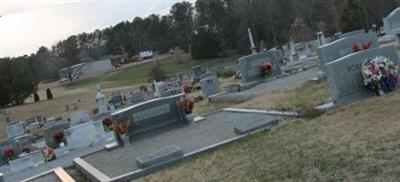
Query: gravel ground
{"x": 262, "y": 88}
{"x": 216, "y": 128}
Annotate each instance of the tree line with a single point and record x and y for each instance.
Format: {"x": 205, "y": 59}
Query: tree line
{"x": 206, "y": 29}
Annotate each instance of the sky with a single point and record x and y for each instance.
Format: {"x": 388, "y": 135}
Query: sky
{"x": 25, "y": 25}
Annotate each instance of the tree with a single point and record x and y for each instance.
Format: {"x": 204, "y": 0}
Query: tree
{"x": 182, "y": 15}
{"x": 352, "y": 17}
{"x": 49, "y": 94}
{"x": 36, "y": 97}
{"x": 300, "y": 32}
{"x": 157, "y": 73}
{"x": 206, "y": 45}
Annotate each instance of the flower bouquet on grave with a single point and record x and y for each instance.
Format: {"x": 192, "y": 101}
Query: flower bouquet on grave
{"x": 9, "y": 154}
{"x": 107, "y": 123}
{"x": 59, "y": 137}
{"x": 122, "y": 130}
{"x": 186, "y": 105}
{"x": 361, "y": 47}
{"x": 380, "y": 75}
{"x": 266, "y": 69}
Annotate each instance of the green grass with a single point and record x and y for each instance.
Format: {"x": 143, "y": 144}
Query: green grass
{"x": 140, "y": 73}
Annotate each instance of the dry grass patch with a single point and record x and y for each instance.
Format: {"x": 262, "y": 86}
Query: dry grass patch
{"x": 296, "y": 98}
{"x": 359, "y": 142}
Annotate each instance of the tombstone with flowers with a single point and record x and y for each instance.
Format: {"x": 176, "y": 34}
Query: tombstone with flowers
{"x": 380, "y": 75}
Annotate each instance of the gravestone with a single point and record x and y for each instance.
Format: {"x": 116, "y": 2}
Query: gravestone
{"x": 163, "y": 155}
{"x": 321, "y": 38}
{"x": 197, "y": 73}
{"x": 137, "y": 97}
{"x": 85, "y": 135}
{"x": 250, "y": 65}
{"x": 15, "y": 129}
{"x": 116, "y": 98}
{"x": 168, "y": 88}
{"x": 33, "y": 120}
{"x": 151, "y": 114}
{"x": 339, "y": 48}
{"x": 209, "y": 85}
{"x": 352, "y": 33}
{"x": 29, "y": 161}
{"x": 79, "y": 117}
{"x": 398, "y": 40}
{"x": 53, "y": 128}
{"x": 24, "y": 141}
{"x": 345, "y": 76}
{"x": 391, "y": 23}
{"x": 9, "y": 144}
{"x": 100, "y": 100}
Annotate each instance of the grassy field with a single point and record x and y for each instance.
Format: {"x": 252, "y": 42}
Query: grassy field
{"x": 358, "y": 142}
{"x": 140, "y": 74}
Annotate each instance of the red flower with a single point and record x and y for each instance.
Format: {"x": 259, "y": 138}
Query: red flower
{"x": 186, "y": 89}
{"x": 361, "y": 47}
{"x": 59, "y": 136}
{"x": 367, "y": 45}
{"x": 9, "y": 153}
{"x": 107, "y": 121}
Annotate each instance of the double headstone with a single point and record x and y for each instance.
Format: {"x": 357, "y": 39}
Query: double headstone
{"x": 250, "y": 65}
{"x": 151, "y": 114}
{"x": 345, "y": 74}
{"x": 391, "y": 23}
{"x": 52, "y": 129}
{"x": 209, "y": 85}
{"x": 352, "y": 33}
{"x": 342, "y": 47}
{"x": 29, "y": 161}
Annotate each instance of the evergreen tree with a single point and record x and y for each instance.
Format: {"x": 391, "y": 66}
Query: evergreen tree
{"x": 49, "y": 94}
{"x": 352, "y": 17}
{"x": 36, "y": 97}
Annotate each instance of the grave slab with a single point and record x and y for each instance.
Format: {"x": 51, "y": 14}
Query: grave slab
{"x": 165, "y": 154}
{"x": 253, "y": 125}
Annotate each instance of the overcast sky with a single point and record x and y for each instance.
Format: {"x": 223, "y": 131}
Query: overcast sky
{"x": 25, "y": 25}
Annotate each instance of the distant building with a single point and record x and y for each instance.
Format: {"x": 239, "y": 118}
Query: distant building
{"x": 85, "y": 70}
{"x": 146, "y": 55}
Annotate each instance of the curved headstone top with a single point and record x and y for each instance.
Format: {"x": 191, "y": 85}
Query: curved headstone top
{"x": 344, "y": 46}
{"x": 391, "y": 24}
{"x": 345, "y": 76}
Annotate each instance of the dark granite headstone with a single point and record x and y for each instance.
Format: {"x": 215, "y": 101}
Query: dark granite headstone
{"x": 151, "y": 114}
{"x": 166, "y": 154}
{"x": 345, "y": 76}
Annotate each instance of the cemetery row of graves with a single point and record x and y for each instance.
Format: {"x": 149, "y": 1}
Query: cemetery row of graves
{"x": 154, "y": 127}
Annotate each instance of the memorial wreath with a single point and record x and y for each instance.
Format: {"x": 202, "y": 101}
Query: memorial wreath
{"x": 380, "y": 75}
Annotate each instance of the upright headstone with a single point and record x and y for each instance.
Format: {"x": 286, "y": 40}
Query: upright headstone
{"x": 352, "y": 33}
{"x": 250, "y": 65}
{"x": 79, "y": 117}
{"x": 137, "y": 97}
{"x": 29, "y": 161}
{"x": 391, "y": 23}
{"x": 100, "y": 100}
{"x": 321, "y": 39}
{"x": 54, "y": 133}
{"x": 85, "y": 135}
{"x": 339, "y": 48}
{"x": 398, "y": 40}
{"x": 116, "y": 98}
{"x": 8, "y": 145}
{"x": 345, "y": 75}
{"x": 16, "y": 129}
{"x": 197, "y": 73}
{"x": 150, "y": 114}
{"x": 209, "y": 85}
{"x": 292, "y": 49}
{"x": 169, "y": 88}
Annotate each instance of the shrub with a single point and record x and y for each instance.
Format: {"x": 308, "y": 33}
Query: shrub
{"x": 36, "y": 97}
{"x": 49, "y": 94}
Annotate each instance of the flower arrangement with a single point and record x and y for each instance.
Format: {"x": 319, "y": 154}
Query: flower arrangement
{"x": 186, "y": 106}
{"x": 380, "y": 75}
{"x": 266, "y": 69}
{"x": 9, "y": 153}
{"x": 59, "y": 136}
{"x": 123, "y": 128}
{"x": 107, "y": 123}
{"x": 186, "y": 89}
{"x": 364, "y": 46}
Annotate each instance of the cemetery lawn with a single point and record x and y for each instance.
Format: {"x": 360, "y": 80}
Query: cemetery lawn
{"x": 358, "y": 142}
{"x": 139, "y": 74}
